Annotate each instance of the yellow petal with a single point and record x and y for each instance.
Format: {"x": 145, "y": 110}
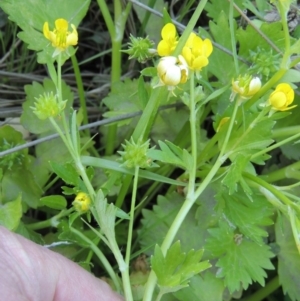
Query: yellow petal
{"x": 163, "y": 48}
{"x": 168, "y": 31}
{"x": 72, "y": 38}
{"x": 208, "y": 48}
{"x": 187, "y": 54}
{"x": 200, "y": 62}
{"x": 189, "y": 42}
{"x": 278, "y": 100}
{"x": 46, "y": 30}
{"x": 61, "y": 24}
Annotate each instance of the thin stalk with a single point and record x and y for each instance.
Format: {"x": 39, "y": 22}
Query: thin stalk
{"x": 290, "y": 171}
{"x": 264, "y": 292}
{"x": 272, "y": 189}
{"x": 287, "y": 40}
{"x": 276, "y": 145}
{"x": 233, "y": 41}
{"x": 116, "y": 34}
{"x": 132, "y": 209}
{"x": 81, "y": 95}
{"x": 123, "y": 191}
{"x": 189, "y": 28}
{"x": 51, "y": 222}
{"x": 194, "y": 142}
{"x": 101, "y": 257}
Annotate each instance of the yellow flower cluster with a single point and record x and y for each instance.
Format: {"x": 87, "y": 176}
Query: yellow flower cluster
{"x": 194, "y": 56}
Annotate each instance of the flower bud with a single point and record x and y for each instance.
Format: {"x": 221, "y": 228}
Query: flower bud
{"x": 246, "y": 86}
{"x": 82, "y": 202}
{"x": 172, "y": 71}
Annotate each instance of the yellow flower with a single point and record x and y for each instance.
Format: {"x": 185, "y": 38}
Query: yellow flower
{"x": 246, "y": 86}
{"x": 282, "y": 97}
{"x": 61, "y": 38}
{"x": 82, "y": 202}
{"x": 169, "y": 40}
{"x": 196, "y": 52}
{"x": 172, "y": 71}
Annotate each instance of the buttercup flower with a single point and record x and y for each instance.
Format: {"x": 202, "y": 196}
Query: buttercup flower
{"x": 61, "y": 38}
{"x": 169, "y": 40}
{"x": 172, "y": 71}
{"x": 82, "y": 202}
{"x": 282, "y": 97}
{"x": 246, "y": 86}
{"x": 196, "y": 52}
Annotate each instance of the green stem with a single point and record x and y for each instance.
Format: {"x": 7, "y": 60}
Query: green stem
{"x": 123, "y": 191}
{"x": 291, "y": 171}
{"x": 194, "y": 142}
{"x": 51, "y": 222}
{"x": 124, "y": 268}
{"x": 101, "y": 257}
{"x": 278, "y": 144}
{"x": 81, "y": 95}
{"x": 107, "y": 17}
{"x": 272, "y": 189}
{"x": 285, "y": 131}
{"x": 232, "y": 120}
{"x": 232, "y": 35}
{"x": 189, "y": 28}
{"x": 264, "y": 292}
{"x": 116, "y": 34}
{"x": 146, "y": 121}
{"x": 286, "y": 56}
{"x": 132, "y": 209}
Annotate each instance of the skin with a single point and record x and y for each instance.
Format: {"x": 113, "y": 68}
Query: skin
{"x": 29, "y": 272}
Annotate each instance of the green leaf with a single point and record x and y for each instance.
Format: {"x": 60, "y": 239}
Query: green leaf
{"x": 240, "y": 261}
{"x": 156, "y": 223}
{"x": 215, "y": 7}
{"x": 151, "y": 23}
{"x": 234, "y": 173}
{"x": 202, "y": 288}
{"x": 249, "y": 137}
{"x": 174, "y": 270}
{"x": 142, "y": 92}
{"x": 250, "y": 39}
{"x": 15, "y": 182}
{"x": 220, "y": 63}
{"x": 249, "y": 217}
{"x": 149, "y": 71}
{"x": 30, "y": 16}
{"x": 171, "y": 154}
{"x": 67, "y": 172}
{"x": 10, "y": 138}
{"x": 112, "y": 165}
{"x": 54, "y": 201}
{"x": 11, "y": 213}
{"x": 288, "y": 258}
